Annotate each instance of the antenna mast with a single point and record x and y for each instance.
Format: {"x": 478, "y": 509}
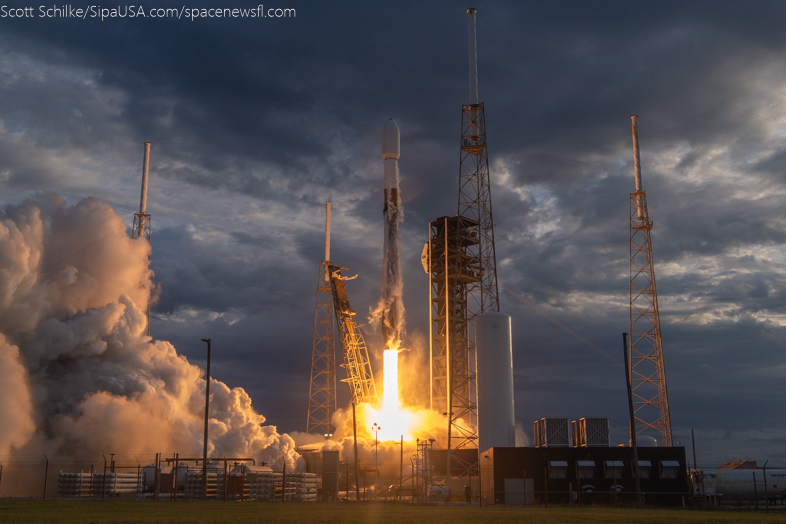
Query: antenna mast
{"x": 647, "y": 370}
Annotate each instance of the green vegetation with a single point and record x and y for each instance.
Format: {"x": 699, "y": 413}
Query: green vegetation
{"x": 13, "y": 511}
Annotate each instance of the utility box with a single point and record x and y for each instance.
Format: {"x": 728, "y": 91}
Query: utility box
{"x": 590, "y": 433}
{"x": 552, "y": 433}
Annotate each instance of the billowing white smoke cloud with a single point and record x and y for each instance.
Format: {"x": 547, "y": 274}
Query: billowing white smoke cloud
{"x": 77, "y": 371}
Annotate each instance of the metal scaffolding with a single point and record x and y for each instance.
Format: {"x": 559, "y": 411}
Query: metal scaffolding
{"x": 469, "y": 279}
{"x": 322, "y": 391}
{"x": 356, "y": 362}
{"x": 647, "y": 370}
{"x": 474, "y": 205}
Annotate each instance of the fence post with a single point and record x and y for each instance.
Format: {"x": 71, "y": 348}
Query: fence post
{"x": 46, "y": 474}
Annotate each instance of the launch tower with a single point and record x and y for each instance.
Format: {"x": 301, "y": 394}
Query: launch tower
{"x": 322, "y": 392}
{"x": 463, "y": 275}
{"x": 647, "y": 371}
{"x": 333, "y": 302}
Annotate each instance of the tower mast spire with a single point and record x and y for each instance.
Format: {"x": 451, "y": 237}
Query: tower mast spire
{"x": 647, "y": 370}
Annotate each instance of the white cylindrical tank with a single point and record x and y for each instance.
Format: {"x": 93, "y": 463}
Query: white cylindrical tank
{"x": 149, "y": 476}
{"x": 496, "y": 418}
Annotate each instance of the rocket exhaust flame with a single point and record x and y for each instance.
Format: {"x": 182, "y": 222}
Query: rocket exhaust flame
{"x": 390, "y": 398}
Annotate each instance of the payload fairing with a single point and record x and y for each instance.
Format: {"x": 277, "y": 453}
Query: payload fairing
{"x": 392, "y": 285}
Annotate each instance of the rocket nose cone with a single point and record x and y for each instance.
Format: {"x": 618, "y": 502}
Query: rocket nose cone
{"x": 391, "y": 140}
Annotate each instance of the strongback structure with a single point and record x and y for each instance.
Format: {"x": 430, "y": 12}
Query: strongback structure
{"x": 333, "y": 302}
{"x": 322, "y": 391}
{"x": 141, "y": 227}
{"x": 647, "y": 371}
{"x": 463, "y": 276}
{"x": 356, "y": 362}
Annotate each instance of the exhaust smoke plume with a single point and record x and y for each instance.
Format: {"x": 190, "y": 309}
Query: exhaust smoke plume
{"x": 77, "y": 371}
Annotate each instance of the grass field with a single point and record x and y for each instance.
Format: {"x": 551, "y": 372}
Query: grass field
{"x": 236, "y": 513}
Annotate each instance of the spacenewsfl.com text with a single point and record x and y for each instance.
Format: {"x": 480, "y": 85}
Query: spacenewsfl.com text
{"x": 136, "y": 11}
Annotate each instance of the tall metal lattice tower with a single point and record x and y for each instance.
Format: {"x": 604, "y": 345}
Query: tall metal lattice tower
{"x": 141, "y": 225}
{"x": 453, "y": 270}
{"x": 322, "y": 391}
{"x": 647, "y": 371}
{"x": 463, "y": 275}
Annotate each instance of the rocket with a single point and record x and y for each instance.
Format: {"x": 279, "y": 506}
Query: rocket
{"x": 392, "y": 284}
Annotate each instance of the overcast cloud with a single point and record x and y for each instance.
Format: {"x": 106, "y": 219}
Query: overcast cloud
{"x": 256, "y": 122}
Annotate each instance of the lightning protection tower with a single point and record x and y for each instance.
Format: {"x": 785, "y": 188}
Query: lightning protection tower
{"x": 467, "y": 286}
{"x": 322, "y": 392}
{"x": 141, "y": 227}
{"x": 647, "y": 371}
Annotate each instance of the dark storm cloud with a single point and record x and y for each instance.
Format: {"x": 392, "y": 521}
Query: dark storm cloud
{"x": 256, "y": 123}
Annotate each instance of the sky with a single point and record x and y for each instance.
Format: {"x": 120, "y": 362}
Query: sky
{"x": 256, "y": 122}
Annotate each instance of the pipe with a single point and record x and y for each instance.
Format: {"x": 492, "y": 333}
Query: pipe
{"x": 46, "y": 474}
{"x": 145, "y": 164}
{"x": 207, "y": 408}
{"x": 634, "y": 122}
{"x": 632, "y": 419}
{"x": 473, "y": 56}
{"x": 327, "y": 239}
{"x": 401, "y": 471}
{"x": 156, "y": 477}
{"x": 327, "y": 231}
{"x": 357, "y": 467}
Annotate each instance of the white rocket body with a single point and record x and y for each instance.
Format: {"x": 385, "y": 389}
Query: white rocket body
{"x": 392, "y": 284}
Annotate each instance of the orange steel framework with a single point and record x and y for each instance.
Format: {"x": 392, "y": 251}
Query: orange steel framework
{"x": 463, "y": 285}
{"x": 322, "y": 391}
{"x": 356, "y": 362}
{"x": 451, "y": 272}
{"x": 647, "y": 370}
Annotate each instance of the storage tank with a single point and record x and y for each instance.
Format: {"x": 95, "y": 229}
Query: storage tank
{"x": 496, "y": 418}
{"x": 149, "y": 477}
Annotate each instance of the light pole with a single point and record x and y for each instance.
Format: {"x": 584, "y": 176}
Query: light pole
{"x": 376, "y": 429}
{"x": 207, "y": 408}
{"x": 430, "y": 454}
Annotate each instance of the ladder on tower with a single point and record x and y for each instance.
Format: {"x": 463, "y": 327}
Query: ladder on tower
{"x": 356, "y": 362}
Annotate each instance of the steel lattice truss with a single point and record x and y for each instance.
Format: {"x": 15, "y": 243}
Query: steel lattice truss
{"x": 647, "y": 371}
{"x": 451, "y": 273}
{"x": 353, "y": 346}
{"x": 474, "y": 204}
{"x": 141, "y": 226}
{"x": 476, "y": 268}
{"x": 322, "y": 392}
